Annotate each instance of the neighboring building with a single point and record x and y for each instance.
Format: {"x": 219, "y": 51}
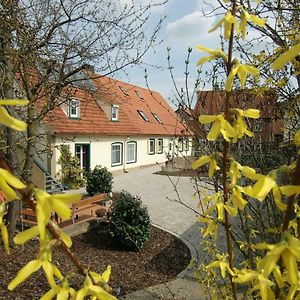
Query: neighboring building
{"x": 116, "y": 125}
{"x": 267, "y": 130}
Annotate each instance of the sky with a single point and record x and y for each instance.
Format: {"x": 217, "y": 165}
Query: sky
{"x": 184, "y": 27}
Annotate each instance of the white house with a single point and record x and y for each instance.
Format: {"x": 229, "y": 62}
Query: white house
{"x": 116, "y": 125}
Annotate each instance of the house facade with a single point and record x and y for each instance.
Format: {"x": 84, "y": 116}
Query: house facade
{"x": 116, "y": 125}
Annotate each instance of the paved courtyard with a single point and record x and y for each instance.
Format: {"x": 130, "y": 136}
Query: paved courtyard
{"x": 161, "y": 194}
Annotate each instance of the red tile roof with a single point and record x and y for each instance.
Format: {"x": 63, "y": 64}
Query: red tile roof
{"x": 94, "y": 121}
{"x": 212, "y": 102}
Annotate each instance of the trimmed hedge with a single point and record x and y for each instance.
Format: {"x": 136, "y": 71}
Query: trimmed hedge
{"x": 130, "y": 222}
{"x": 100, "y": 180}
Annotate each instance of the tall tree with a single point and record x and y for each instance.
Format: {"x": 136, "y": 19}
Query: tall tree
{"x": 46, "y": 45}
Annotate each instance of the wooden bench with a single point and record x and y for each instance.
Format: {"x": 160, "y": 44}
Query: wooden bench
{"x": 88, "y": 205}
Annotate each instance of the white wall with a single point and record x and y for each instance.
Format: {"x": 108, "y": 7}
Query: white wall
{"x": 100, "y": 148}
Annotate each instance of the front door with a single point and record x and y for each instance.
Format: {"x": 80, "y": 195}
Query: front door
{"x": 82, "y": 152}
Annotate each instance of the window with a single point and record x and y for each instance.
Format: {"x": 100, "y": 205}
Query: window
{"x": 116, "y": 154}
{"x": 115, "y": 113}
{"x": 74, "y": 108}
{"x": 123, "y": 90}
{"x": 142, "y": 114}
{"x": 139, "y": 95}
{"x": 160, "y": 145}
{"x": 151, "y": 146}
{"x": 131, "y": 152}
{"x": 157, "y": 118}
{"x": 186, "y": 144}
{"x": 180, "y": 145}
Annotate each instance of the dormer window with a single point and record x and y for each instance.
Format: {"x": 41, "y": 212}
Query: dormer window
{"x": 123, "y": 90}
{"x": 156, "y": 117}
{"x": 142, "y": 114}
{"x": 74, "y": 108}
{"x": 115, "y": 113}
{"x": 139, "y": 95}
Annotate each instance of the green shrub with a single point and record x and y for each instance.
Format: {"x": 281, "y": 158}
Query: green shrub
{"x": 99, "y": 181}
{"x": 130, "y": 222}
{"x": 70, "y": 174}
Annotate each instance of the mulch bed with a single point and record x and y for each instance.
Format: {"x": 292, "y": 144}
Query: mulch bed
{"x": 162, "y": 258}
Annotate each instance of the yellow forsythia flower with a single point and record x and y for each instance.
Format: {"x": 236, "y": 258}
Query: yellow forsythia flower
{"x": 240, "y": 125}
{"x": 263, "y": 186}
{"x": 91, "y": 289}
{"x": 289, "y": 251}
{"x": 47, "y": 203}
{"x": 245, "y": 17}
{"x": 297, "y": 138}
{"x": 214, "y": 54}
{"x": 260, "y": 282}
{"x": 220, "y": 126}
{"x": 222, "y": 263}
{"x": 228, "y": 20}
{"x": 204, "y": 160}
{"x": 242, "y": 71}
{"x": 7, "y": 182}
{"x": 286, "y": 57}
{"x": 6, "y": 119}
{"x": 63, "y": 292}
{"x": 4, "y": 232}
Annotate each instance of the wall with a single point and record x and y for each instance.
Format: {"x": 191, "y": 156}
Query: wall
{"x": 100, "y": 148}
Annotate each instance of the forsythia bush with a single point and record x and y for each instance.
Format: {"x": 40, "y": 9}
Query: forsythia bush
{"x": 94, "y": 285}
{"x": 273, "y": 270}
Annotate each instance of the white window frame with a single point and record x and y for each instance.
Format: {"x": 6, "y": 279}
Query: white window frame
{"x": 120, "y": 161}
{"x": 143, "y": 116}
{"x": 73, "y": 103}
{"x": 134, "y": 159}
{"x": 156, "y": 117}
{"x": 160, "y": 146}
{"x": 151, "y": 141}
{"x": 115, "y": 118}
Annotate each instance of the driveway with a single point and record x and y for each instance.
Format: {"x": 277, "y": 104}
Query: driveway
{"x": 161, "y": 194}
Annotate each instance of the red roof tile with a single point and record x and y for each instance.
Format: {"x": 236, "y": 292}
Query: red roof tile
{"x": 94, "y": 121}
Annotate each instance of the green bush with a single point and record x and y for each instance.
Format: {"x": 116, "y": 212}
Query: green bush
{"x": 99, "y": 181}
{"x": 130, "y": 222}
{"x": 70, "y": 174}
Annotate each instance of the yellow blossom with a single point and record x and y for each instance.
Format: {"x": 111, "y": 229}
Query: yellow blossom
{"x": 237, "y": 199}
{"x": 240, "y": 126}
{"x": 286, "y": 57}
{"x": 7, "y": 182}
{"x": 3, "y": 228}
{"x": 241, "y": 71}
{"x": 289, "y": 251}
{"x": 228, "y": 20}
{"x": 245, "y": 17}
{"x": 216, "y": 202}
{"x": 211, "y": 226}
{"x": 297, "y": 138}
{"x": 263, "y": 186}
{"x": 47, "y": 203}
{"x": 63, "y": 292}
{"x": 222, "y": 263}
{"x": 213, "y": 54}
{"x": 204, "y": 160}
{"x": 6, "y": 119}
{"x": 219, "y": 126}
{"x": 260, "y": 282}
{"x": 94, "y": 285}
